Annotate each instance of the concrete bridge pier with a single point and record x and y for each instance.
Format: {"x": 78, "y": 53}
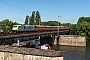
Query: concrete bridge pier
{"x": 52, "y": 40}
{"x": 47, "y": 40}
{"x": 70, "y": 40}
{"x": 56, "y": 40}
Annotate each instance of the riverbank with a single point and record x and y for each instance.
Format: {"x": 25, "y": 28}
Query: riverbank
{"x": 14, "y": 53}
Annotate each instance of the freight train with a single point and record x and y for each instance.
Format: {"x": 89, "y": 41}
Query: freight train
{"x": 26, "y": 28}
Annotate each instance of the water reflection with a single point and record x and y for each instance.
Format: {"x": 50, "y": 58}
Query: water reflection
{"x": 74, "y": 53}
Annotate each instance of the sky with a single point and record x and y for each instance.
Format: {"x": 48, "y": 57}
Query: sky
{"x": 68, "y": 10}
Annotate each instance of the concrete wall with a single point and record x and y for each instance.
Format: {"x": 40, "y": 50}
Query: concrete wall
{"x": 15, "y": 56}
{"x": 71, "y": 40}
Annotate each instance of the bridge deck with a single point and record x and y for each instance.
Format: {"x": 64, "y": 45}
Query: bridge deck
{"x": 29, "y": 34}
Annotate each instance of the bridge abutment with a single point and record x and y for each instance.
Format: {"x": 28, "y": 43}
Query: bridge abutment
{"x": 70, "y": 40}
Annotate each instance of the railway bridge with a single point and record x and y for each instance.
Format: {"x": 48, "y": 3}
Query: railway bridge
{"x": 44, "y": 37}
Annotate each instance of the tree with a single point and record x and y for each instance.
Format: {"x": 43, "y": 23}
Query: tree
{"x": 6, "y": 25}
{"x": 66, "y": 24}
{"x": 82, "y": 27}
{"x": 26, "y": 20}
{"x": 37, "y": 18}
{"x": 51, "y": 23}
{"x": 32, "y": 19}
{"x": 83, "y": 19}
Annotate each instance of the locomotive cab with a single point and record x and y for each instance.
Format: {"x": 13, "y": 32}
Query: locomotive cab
{"x": 15, "y": 28}
{"x": 23, "y": 28}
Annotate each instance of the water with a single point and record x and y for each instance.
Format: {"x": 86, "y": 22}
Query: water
{"x": 74, "y": 53}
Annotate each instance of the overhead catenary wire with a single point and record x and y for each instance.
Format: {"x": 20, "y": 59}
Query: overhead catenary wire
{"x": 9, "y": 17}
{"x": 23, "y": 8}
{"x": 15, "y": 6}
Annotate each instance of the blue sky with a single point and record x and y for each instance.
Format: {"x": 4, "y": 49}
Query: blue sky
{"x": 70, "y": 10}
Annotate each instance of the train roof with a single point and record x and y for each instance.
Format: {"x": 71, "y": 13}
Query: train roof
{"x": 16, "y": 25}
{"x": 27, "y": 25}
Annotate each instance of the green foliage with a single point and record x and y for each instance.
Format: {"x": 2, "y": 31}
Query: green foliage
{"x": 82, "y": 27}
{"x": 73, "y": 29}
{"x": 83, "y": 19}
{"x": 37, "y": 18}
{"x": 26, "y": 20}
{"x": 32, "y": 19}
{"x": 51, "y": 23}
{"x": 6, "y": 25}
{"x": 66, "y": 24}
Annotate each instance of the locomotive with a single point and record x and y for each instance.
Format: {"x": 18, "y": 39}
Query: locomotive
{"x": 27, "y": 28}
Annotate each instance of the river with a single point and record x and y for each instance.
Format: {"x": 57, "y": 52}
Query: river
{"x": 74, "y": 53}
